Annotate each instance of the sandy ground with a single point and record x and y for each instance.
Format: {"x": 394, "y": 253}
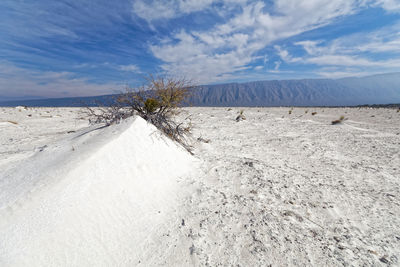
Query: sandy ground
{"x": 26, "y": 131}
{"x": 275, "y": 189}
{"x": 293, "y": 189}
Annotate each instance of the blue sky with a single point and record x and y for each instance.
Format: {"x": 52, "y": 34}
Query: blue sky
{"x": 69, "y": 48}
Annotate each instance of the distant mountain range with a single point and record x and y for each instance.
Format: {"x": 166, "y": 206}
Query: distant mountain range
{"x": 376, "y": 89}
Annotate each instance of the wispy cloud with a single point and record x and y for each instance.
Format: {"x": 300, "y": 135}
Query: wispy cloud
{"x": 19, "y": 82}
{"x": 153, "y": 10}
{"x": 355, "y": 53}
{"x": 229, "y": 47}
{"x": 335, "y": 72}
{"x": 130, "y": 68}
{"x": 388, "y": 5}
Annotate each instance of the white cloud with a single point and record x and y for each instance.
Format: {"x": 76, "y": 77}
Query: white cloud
{"x": 343, "y": 74}
{"x": 277, "y": 65}
{"x": 343, "y": 60}
{"x": 285, "y": 56}
{"x": 352, "y": 50}
{"x": 265, "y": 60}
{"x": 231, "y": 47}
{"x": 340, "y": 60}
{"x": 380, "y": 41}
{"x": 19, "y": 82}
{"x": 389, "y": 5}
{"x": 130, "y": 68}
{"x": 161, "y": 9}
{"x": 352, "y": 55}
{"x": 153, "y": 10}
{"x": 311, "y": 47}
{"x": 215, "y": 54}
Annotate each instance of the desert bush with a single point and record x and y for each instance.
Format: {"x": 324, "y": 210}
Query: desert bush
{"x": 240, "y": 116}
{"x": 157, "y": 102}
{"x": 290, "y": 112}
{"x": 340, "y": 120}
{"x": 314, "y": 113}
{"x": 108, "y": 114}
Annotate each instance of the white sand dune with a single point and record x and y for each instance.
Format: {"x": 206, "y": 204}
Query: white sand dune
{"x": 96, "y": 199}
{"x": 275, "y": 189}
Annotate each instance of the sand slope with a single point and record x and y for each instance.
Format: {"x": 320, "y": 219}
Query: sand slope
{"x": 106, "y": 207}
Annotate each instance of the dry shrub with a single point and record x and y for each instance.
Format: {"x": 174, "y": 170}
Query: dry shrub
{"x": 204, "y": 140}
{"x": 240, "y": 116}
{"x": 157, "y": 102}
{"x": 340, "y": 120}
{"x": 111, "y": 114}
{"x": 314, "y": 113}
{"x": 290, "y": 112}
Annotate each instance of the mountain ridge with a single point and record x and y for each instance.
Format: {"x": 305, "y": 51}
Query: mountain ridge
{"x": 351, "y": 91}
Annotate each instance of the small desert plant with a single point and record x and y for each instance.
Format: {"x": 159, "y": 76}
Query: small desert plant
{"x": 240, "y": 116}
{"x": 306, "y": 111}
{"x": 398, "y": 110}
{"x": 314, "y": 113}
{"x": 340, "y": 120}
{"x": 204, "y": 140}
{"x": 157, "y": 102}
{"x": 290, "y": 112}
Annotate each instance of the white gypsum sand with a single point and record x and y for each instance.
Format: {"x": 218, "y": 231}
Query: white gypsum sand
{"x": 99, "y": 197}
{"x": 275, "y": 188}
{"x": 293, "y": 189}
